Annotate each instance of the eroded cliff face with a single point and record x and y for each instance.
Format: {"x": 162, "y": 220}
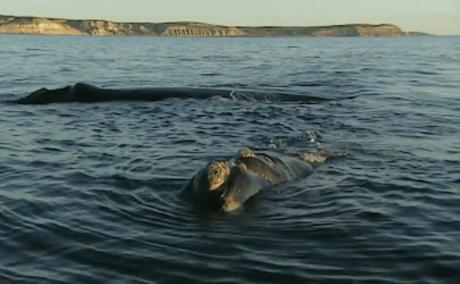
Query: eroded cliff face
{"x": 47, "y": 26}
{"x": 201, "y": 30}
{"x": 380, "y": 30}
{"x": 107, "y": 28}
{"x": 362, "y": 30}
{"x": 38, "y": 26}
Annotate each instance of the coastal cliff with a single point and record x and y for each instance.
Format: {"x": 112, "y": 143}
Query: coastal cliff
{"x": 359, "y": 30}
{"x": 51, "y": 26}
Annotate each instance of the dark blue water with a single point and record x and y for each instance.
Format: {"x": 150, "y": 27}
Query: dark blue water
{"x": 88, "y": 192}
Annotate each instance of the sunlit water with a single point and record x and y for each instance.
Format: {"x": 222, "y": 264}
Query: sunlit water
{"x": 89, "y": 192}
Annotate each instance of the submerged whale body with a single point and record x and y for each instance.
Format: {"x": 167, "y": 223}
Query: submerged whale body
{"x": 86, "y": 93}
{"x": 227, "y": 185}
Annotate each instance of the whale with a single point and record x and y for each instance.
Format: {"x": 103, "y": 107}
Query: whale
{"x": 228, "y": 184}
{"x": 87, "y": 93}
{"x": 207, "y": 185}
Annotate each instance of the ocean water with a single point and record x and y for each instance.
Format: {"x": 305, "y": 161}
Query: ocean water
{"x": 89, "y": 192}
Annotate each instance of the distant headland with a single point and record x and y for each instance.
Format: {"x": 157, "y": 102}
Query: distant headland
{"x": 54, "y": 26}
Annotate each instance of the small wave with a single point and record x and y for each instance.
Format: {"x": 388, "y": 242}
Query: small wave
{"x": 35, "y": 49}
{"x": 211, "y": 74}
{"x": 422, "y": 72}
{"x": 310, "y": 84}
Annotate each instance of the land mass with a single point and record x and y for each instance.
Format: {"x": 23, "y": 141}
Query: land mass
{"x": 55, "y": 26}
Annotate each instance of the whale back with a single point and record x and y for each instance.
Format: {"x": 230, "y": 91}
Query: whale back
{"x": 264, "y": 168}
{"x": 86, "y": 93}
{"x": 253, "y": 172}
{"x": 290, "y": 168}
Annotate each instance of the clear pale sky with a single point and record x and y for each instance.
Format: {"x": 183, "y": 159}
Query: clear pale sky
{"x": 433, "y": 16}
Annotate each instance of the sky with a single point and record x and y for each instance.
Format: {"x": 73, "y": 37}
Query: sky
{"x": 433, "y": 16}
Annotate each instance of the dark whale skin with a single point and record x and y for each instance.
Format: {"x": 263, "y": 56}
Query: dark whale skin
{"x": 86, "y": 93}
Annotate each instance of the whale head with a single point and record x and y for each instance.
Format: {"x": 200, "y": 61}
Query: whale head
{"x": 209, "y": 183}
{"x": 45, "y": 96}
{"x": 212, "y": 176}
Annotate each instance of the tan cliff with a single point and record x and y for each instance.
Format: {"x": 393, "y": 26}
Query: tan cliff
{"x": 361, "y": 30}
{"x": 51, "y": 26}
{"x": 196, "y": 29}
{"x": 358, "y": 30}
{"x": 38, "y": 26}
{"x": 48, "y": 26}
